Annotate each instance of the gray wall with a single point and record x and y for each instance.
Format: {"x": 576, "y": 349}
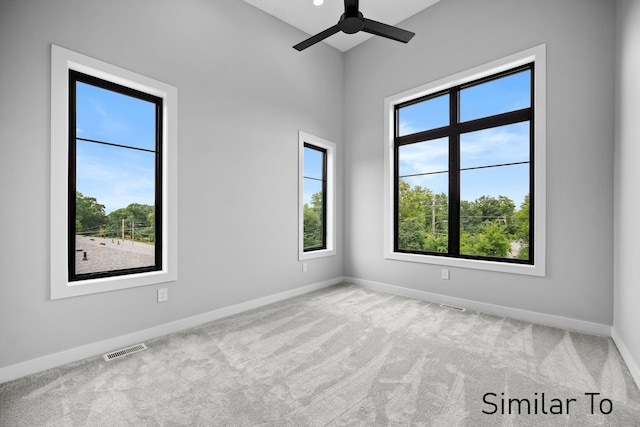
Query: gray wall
{"x": 243, "y": 95}
{"x": 455, "y": 35}
{"x": 627, "y": 176}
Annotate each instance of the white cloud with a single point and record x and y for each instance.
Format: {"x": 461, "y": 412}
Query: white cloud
{"x": 407, "y": 128}
{"x": 424, "y": 157}
{"x": 507, "y": 144}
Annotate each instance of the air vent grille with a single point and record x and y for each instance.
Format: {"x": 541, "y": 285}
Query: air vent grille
{"x": 452, "y": 307}
{"x": 124, "y": 352}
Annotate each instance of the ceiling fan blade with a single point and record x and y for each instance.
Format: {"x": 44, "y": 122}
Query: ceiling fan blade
{"x": 388, "y": 31}
{"x": 317, "y": 38}
{"x": 351, "y": 7}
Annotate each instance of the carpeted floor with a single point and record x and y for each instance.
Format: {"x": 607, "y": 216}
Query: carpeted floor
{"x": 341, "y": 356}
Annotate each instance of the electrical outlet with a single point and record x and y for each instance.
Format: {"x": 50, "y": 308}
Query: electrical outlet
{"x": 445, "y": 274}
{"x": 163, "y": 294}
{"x": 305, "y": 267}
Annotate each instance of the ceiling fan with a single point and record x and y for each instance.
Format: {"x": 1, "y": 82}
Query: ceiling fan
{"x": 351, "y": 22}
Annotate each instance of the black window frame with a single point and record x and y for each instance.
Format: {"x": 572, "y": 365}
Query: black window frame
{"x": 324, "y": 180}
{"x": 77, "y": 76}
{"x": 453, "y": 131}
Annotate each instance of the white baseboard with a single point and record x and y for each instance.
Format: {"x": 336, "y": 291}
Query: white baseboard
{"x": 40, "y": 364}
{"x": 634, "y": 368}
{"x": 33, "y": 366}
{"x": 529, "y": 316}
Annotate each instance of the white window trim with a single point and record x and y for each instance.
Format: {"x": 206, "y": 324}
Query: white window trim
{"x": 538, "y": 56}
{"x": 63, "y": 60}
{"x": 330, "y": 250}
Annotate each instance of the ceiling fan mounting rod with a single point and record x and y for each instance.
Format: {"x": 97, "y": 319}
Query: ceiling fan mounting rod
{"x": 351, "y": 8}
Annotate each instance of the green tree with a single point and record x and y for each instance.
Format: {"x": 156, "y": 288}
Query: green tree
{"x": 138, "y": 218}
{"x": 151, "y": 217}
{"x": 488, "y": 225}
{"x": 422, "y": 219}
{"x": 491, "y": 241}
{"x": 150, "y": 231}
{"x": 485, "y": 210}
{"x": 411, "y": 232}
{"x": 411, "y": 203}
{"x": 312, "y": 225}
{"x": 114, "y": 226}
{"x": 522, "y": 232}
{"x": 90, "y": 216}
{"x": 139, "y": 213}
{"x": 435, "y": 243}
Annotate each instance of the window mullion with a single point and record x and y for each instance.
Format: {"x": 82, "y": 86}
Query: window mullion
{"x": 454, "y": 174}
{"x": 423, "y": 136}
{"x": 324, "y": 199}
{"x": 396, "y": 193}
{"x": 323, "y": 181}
{"x": 71, "y": 185}
{"x": 498, "y": 120}
{"x": 532, "y": 180}
{"x": 159, "y": 201}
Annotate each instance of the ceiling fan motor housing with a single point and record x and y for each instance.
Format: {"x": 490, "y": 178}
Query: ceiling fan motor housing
{"x": 351, "y": 24}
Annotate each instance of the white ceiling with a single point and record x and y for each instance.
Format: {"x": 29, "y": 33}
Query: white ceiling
{"x": 311, "y": 19}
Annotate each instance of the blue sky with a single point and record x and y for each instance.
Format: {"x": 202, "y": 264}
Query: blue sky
{"x": 506, "y": 144}
{"x": 115, "y": 176}
{"x": 312, "y": 171}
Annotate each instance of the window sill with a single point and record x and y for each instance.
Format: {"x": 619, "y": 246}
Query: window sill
{"x": 316, "y": 254}
{"x": 500, "y": 267}
{"x": 106, "y": 284}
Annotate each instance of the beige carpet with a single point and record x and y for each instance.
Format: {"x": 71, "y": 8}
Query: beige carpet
{"x": 341, "y": 356}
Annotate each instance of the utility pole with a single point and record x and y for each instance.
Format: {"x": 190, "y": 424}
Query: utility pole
{"x": 122, "y": 230}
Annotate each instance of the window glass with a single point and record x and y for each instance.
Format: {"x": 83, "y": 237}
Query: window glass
{"x": 423, "y": 212}
{"x": 423, "y": 202}
{"x": 494, "y": 213}
{"x": 494, "y": 146}
{"x": 115, "y": 169}
{"x": 425, "y": 115}
{"x": 509, "y": 93}
{"x": 493, "y": 187}
{"x": 115, "y": 226}
{"x": 314, "y": 195}
{"x": 424, "y": 157}
{"x": 480, "y": 207}
{"x": 105, "y": 115}
{"x": 313, "y": 163}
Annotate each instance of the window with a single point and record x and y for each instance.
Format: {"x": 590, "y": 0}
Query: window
{"x": 317, "y": 197}
{"x": 463, "y": 172}
{"x": 113, "y": 177}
